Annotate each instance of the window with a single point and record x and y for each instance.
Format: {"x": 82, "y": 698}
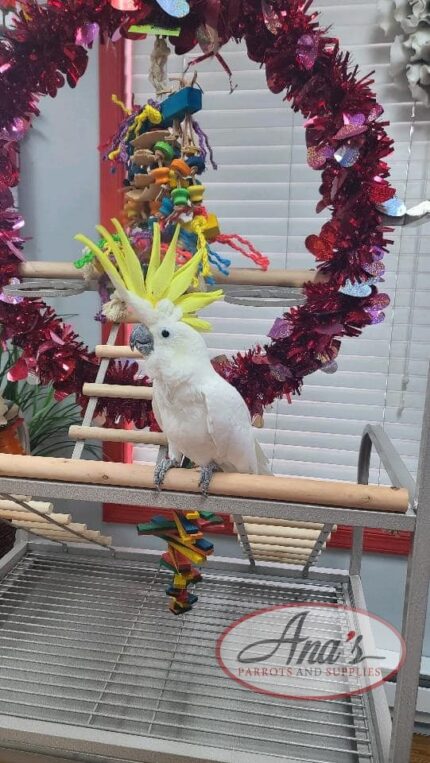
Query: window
{"x": 264, "y": 190}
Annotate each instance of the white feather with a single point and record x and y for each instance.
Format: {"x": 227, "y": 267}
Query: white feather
{"x": 203, "y": 417}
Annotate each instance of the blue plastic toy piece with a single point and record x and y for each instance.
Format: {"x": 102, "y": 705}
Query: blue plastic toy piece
{"x": 176, "y": 106}
{"x": 166, "y": 207}
{"x": 196, "y": 161}
{"x": 204, "y": 545}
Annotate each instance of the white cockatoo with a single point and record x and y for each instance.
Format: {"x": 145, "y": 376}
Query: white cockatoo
{"x": 203, "y": 417}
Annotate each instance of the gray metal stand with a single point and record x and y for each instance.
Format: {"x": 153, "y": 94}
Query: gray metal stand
{"x": 93, "y": 667}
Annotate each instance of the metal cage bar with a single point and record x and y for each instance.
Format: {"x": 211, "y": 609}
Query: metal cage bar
{"x": 415, "y": 604}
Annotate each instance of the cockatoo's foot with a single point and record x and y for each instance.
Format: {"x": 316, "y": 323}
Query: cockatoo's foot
{"x": 206, "y": 474}
{"x": 162, "y": 468}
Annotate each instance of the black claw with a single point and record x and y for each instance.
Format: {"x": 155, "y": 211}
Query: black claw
{"x": 206, "y": 474}
{"x": 161, "y": 470}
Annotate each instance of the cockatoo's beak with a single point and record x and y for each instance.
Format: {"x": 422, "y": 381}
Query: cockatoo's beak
{"x": 142, "y": 340}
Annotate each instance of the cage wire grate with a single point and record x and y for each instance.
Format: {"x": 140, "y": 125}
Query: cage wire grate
{"x": 91, "y": 643}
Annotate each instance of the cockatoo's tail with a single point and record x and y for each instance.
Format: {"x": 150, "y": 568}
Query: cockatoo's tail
{"x": 162, "y": 292}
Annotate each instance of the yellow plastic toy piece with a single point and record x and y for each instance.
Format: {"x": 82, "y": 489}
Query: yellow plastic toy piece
{"x": 180, "y": 528}
{"x": 211, "y": 227}
{"x": 162, "y": 281}
{"x": 179, "y": 581}
{"x": 190, "y": 553}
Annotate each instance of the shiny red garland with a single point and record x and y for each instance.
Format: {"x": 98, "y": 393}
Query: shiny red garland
{"x": 345, "y": 139}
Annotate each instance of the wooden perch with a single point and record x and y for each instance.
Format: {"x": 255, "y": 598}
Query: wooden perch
{"x": 117, "y": 390}
{"x": 300, "y": 543}
{"x": 77, "y": 432}
{"x": 24, "y": 517}
{"x": 62, "y": 270}
{"x": 262, "y": 548}
{"x": 245, "y": 276}
{"x": 284, "y": 558}
{"x": 276, "y": 522}
{"x": 276, "y": 553}
{"x": 116, "y": 351}
{"x": 39, "y": 518}
{"x": 262, "y": 487}
{"x": 43, "y": 507}
{"x": 266, "y": 530}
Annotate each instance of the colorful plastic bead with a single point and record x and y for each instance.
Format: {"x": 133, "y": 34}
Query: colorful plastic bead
{"x": 196, "y": 164}
{"x": 180, "y": 167}
{"x": 166, "y": 206}
{"x": 180, "y": 197}
{"x": 165, "y": 149}
{"x": 188, "y": 100}
{"x": 211, "y": 227}
{"x": 160, "y": 175}
{"x": 196, "y": 193}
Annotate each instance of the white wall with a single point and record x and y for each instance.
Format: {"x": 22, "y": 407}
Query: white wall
{"x": 59, "y": 197}
{"x": 59, "y": 190}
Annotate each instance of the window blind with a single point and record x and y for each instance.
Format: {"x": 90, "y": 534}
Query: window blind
{"x": 263, "y": 189}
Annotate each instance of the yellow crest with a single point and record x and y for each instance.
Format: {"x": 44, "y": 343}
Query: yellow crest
{"x": 162, "y": 281}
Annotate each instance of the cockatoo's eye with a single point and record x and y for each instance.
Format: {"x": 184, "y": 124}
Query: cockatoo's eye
{"x": 165, "y": 333}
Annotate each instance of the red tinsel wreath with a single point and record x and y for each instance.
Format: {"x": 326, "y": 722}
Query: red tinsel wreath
{"x": 346, "y": 140}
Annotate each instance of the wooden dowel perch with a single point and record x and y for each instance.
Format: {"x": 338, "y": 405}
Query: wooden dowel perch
{"x": 117, "y": 390}
{"x": 62, "y": 270}
{"x": 266, "y": 487}
{"x": 23, "y": 518}
{"x": 40, "y": 519}
{"x": 267, "y": 531}
{"x": 77, "y": 432}
{"x": 116, "y": 351}
{"x": 245, "y": 276}
{"x": 276, "y": 554}
{"x": 43, "y": 507}
{"x": 282, "y": 523}
{"x": 270, "y": 550}
{"x": 257, "y": 540}
{"x": 284, "y": 558}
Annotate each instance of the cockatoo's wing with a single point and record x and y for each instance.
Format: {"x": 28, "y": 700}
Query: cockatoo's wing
{"x": 229, "y": 426}
{"x": 172, "y": 450}
{"x": 156, "y": 410}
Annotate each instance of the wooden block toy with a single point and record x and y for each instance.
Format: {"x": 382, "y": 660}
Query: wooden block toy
{"x": 211, "y": 228}
{"x": 149, "y": 139}
{"x": 187, "y": 531}
{"x": 167, "y": 565}
{"x": 176, "y": 106}
{"x": 141, "y": 180}
{"x": 196, "y": 557}
{"x": 163, "y": 520}
{"x": 182, "y": 581}
{"x": 194, "y": 576}
{"x": 189, "y": 527}
{"x": 205, "y": 546}
{"x": 179, "y": 581}
{"x": 177, "y": 609}
{"x": 183, "y": 535}
{"x": 186, "y": 547}
{"x": 155, "y": 528}
{"x": 207, "y": 515}
{"x": 178, "y": 560}
{"x": 167, "y": 561}
{"x": 207, "y": 519}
